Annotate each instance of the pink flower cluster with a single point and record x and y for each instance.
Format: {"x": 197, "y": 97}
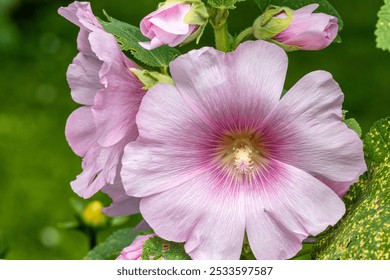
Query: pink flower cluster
{"x": 219, "y": 155}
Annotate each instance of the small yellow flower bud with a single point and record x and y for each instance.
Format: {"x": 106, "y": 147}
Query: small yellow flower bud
{"x": 93, "y": 215}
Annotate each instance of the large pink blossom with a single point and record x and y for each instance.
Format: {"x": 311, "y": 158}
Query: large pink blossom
{"x": 166, "y": 26}
{"x": 308, "y": 30}
{"x": 222, "y": 154}
{"x": 101, "y": 81}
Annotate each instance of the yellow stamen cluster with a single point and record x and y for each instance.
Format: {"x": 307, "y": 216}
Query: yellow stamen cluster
{"x": 243, "y": 160}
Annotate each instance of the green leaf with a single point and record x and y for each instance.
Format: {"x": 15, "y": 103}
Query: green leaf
{"x": 377, "y": 143}
{"x": 354, "y": 125}
{"x": 223, "y": 4}
{"x": 325, "y": 7}
{"x": 382, "y": 31}
{"x": 364, "y": 232}
{"x": 128, "y": 37}
{"x": 112, "y": 246}
{"x": 156, "y": 248}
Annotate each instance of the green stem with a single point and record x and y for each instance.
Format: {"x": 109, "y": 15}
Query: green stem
{"x": 242, "y": 36}
{"x": 92, "y": 239}
{"x": 221, "y": 33}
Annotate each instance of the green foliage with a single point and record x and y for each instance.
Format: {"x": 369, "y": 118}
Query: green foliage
{"x": 223, "y": 4}
{"x": 364, "y": 232}
{"x": 382, "y": 31}
{"x": 354, "y": 125}
{"x": 377, "y": 144}
{"x": 156, "y": 248}
{"x": 3, "y": 249}
{"x": 325, "y": 6}
{"x": 112, "y": 246}
{"x": 129, "y": 36}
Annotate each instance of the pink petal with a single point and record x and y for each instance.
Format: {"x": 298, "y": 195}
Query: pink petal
{"x": 142, "y": 226}
{"x": 122, "y": 93}
{"x": 83, "y": 78}
{"x": 80, "y": 130}
{"x": 340, "y": 188}
{"x": 80, "y": 13}
{"x": 305, "y": 130}
{"x": 163, "y": 148}
{"x": 91, "y": 179}
{"x": 308, "y": 9}
{"x": 205, "y": 77}
{"x": 181, "y": 38}
{"x": 212, "y": 223}
{"x": 100, "y": 166}
{"x": 163, "y": 36}
{"x": 172, "y": 20}
{"x": 171, "y": 14}
{"x": 279, "y": 218}
{"x": 122, "y": 205}
{"x": 155, "y": 43}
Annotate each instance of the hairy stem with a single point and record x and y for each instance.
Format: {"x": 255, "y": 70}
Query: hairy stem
{"x": 221, "y": 33}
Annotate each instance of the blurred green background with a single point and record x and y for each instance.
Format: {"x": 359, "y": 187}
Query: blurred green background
{"x": 37, "y": 45}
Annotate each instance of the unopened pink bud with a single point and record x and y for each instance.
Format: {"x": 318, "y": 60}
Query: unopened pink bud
{"x": 166, "y": 26}
{"x": 308, "y": 30}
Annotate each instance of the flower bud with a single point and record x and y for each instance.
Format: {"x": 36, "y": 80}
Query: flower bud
{"x": 134, "y": 250}
{"x": 151, "y": 78}
{"x": 93, "y": 215}
{"x": 296, "y": 30}
{"x": 175, "y": 22}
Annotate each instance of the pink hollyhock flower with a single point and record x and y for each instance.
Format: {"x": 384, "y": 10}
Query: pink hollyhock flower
{"x": 166, "y": 26}
{"x": 101, "y": 81}
{"x": 308, "y": 30}
{"x": 223, "y": 154}
{"x": 134, "y": 250}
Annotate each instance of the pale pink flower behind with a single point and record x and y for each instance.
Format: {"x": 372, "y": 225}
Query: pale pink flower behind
{"x": 222, "y": 154}
{"x": 308, "y": 30}
{"x": 134, "y": 250}
{"x": 166, "y": 26}
{"x": 101, "y": 81}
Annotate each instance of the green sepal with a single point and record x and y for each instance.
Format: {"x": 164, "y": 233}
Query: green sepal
{"x": 287, "y": 48}
{"x": 223, "y": 4}
{"x": 268, "y": 26}
{"x": 156, "y": 248}
{"x": 151, "y": 78}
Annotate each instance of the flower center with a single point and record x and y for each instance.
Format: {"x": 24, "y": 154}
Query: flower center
{"x": 243, "y": 159}
{"x": 241, "y": 153}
